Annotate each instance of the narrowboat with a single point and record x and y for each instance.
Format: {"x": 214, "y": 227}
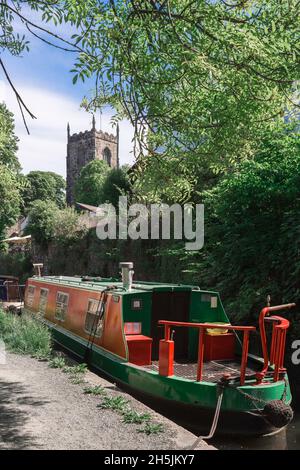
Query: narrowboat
{"x": 174, "y": 345}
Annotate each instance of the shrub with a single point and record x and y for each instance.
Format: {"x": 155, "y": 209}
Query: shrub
{"x": 25, "y": 335}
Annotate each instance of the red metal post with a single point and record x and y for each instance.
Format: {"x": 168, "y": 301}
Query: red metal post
{"x": 200, "y": 354}
{"x": 167, "y": 332}
{"x": 273, "y": 344}
{"x": 244, "y": 356}
{"x": 166, "y": 358}
{"x": 278, "y": 355}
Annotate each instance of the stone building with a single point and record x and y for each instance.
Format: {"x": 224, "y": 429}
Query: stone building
{"x": 87, "y": 146}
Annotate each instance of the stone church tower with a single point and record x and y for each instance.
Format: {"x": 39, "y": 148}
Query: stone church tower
{"x": 87, "y": 146}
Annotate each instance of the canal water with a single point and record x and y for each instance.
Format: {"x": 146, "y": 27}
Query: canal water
{"x": 288, "y": 439}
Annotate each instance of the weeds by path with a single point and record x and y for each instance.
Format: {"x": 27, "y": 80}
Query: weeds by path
{"x": 25, "y": 335}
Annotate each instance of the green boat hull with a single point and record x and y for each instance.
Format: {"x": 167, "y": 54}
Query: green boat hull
{"x": 192, "y": 403}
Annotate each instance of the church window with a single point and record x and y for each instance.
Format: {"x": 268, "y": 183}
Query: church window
{"x": 107, "y": 156}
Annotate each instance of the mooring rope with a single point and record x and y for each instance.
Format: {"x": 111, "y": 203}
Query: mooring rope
{"x": 214, "y": 423}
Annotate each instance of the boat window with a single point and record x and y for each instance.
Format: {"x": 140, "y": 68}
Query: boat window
{"x": 94, "y": 319}
{"x": 132, "y": 328}
{"x": 30, "y": 295}
{"x": 62, "y": 301}
{"x": 43, "y": 300}
{"x": 136, "y": 304}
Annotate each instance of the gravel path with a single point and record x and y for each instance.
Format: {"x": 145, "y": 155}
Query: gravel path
{"x": 40, "y": 408}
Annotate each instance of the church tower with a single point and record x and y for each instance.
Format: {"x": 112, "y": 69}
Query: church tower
{"x": 86, "y": 146}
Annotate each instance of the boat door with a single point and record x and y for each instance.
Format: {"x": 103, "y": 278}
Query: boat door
{"x": 170, "y": 306}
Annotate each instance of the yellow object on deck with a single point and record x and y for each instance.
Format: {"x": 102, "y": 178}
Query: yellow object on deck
{"x": 217, "y": 331}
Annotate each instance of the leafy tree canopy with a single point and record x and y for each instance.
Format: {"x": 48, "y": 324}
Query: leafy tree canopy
{"x": 89, "y": 186}
{"x": 8, "y": 140}
{"x": 252, "y": 228}
{"x": 44, "y": 186}
{"x": 200, "y": 80}
{"x": 47, "y": 223}
{"x": 116, "y": 184}
{"x": 41, "y": 221}
{"x": 9, "y": 197}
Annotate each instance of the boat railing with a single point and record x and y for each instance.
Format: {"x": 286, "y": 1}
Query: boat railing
{"x": 166, "y": 347}
{"x": 277, "y": 349}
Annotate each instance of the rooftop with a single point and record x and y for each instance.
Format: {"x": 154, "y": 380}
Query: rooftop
{"x": 99, "y": 284}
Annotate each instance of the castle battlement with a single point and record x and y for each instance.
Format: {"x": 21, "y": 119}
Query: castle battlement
{"x": 93, "y": 133}
{"x": 84, "y": 147}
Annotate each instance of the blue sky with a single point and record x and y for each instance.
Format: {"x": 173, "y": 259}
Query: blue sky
{"x": 42, "y": 77}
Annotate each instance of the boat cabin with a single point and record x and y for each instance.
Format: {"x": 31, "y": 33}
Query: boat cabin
{"x": 126, "y": 322}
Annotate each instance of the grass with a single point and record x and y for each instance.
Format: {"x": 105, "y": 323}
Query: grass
{"x": 25, "y": 335}
{"x": 57, "y": 362}
{"x": 118, "y": 403}
{"x": 96, "y": 390}
{"x": 75, "y": 370}
{"x": 151, "y": 428}
{"x": 133, "y": 417}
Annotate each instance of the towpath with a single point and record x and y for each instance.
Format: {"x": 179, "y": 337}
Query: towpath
{"x": 40, "y": 408}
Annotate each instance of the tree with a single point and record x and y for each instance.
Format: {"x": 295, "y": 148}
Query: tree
{"x": 9, "y": 171}
{"x": 41, "y": 223}
{"x": 252, "y": 228}
{"x": 89, "y": 186}
{"x": 116, "y": 184}
{"x": 44, "y": 186}
{"x": 199, "y": 80}
{"x": 9, "y": 197}
{"x": 8, "y": 140}
{"x": 47, "y": 223}
{"x": 67, "y": 226}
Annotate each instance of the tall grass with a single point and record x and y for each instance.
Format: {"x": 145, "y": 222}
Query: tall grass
{"x": 25, "y": 335}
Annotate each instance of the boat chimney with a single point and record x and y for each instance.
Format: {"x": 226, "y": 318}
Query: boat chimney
{"x": 127, "y": 275}
{"x": 38, "y": 269}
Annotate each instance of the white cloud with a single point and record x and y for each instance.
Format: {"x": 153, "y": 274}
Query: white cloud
{"x": 45, "y": 147}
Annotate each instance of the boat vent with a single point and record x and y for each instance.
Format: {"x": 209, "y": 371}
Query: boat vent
{"x": 127, "y": 274}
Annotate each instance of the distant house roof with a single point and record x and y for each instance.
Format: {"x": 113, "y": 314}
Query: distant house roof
{"x": 87, "y": 207}
{"x": 18, "y": 240}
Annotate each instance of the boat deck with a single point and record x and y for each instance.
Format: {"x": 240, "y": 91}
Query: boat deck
{"x": 213, "y": 370}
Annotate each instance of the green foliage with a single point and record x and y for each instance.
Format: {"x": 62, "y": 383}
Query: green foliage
{"x": 9, "y": 171}
{"x": 57, "y": 362}
{"x": 116, "y": 184}
{"x": 43, "y": 186}
{"x": 48, "y": 223}
{"x": 117, "y": 403}
{"x": 67, "y": 227}
{"x": 9, "y": 197}
{"x": 133, "y": 417}
{"x": 8, "y": 140}
{"x": 75, "y": 370}
{"x": 96, "y": 390}
{"x": 152, "y": 428}
{"x": 41, "y": 223}
{"x": 89, "y": 186}
{"x": 252, "y": 228}
{"x": 17, "y": 264}
{"x": 201, "y": 81}
{"x": 25, "y": 335}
